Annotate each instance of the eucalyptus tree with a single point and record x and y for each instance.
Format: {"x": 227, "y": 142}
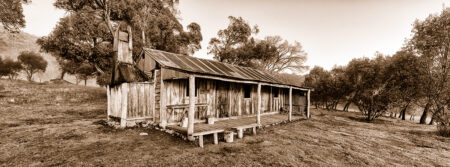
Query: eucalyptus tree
{"x": 236, "y": 44}
{"x": 431, "y": 41}
{"x": 11, "y": 14}
{"x": 404, "y": 79}
{"x": 32, "y": 63}
{"x": 85, "y": 35}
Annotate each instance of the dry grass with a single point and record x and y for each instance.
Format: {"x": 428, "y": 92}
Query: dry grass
{"x": 59, "y": 125}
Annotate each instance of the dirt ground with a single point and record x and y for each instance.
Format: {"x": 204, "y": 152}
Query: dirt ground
{"x": 58, "y": 125}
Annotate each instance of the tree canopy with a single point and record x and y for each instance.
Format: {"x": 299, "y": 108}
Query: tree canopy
{"x": 418, "y": 74}
{"x": 11, "y": 14}
{"x": 10, "y": 68}
{"x": 86, "y": 35}
{"x": 431, "y": 41}
{"x": 32, "y": 63}
{"x": 235, "y": 45}
{"x": 84, "y": 72}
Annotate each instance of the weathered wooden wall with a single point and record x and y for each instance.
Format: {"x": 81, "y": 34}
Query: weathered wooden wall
{"x": 131, "y": 101}
{"x": 140, "y": 100}
{"x": 116, "y": 99}
{"x": 223, "y": 99}
{"x": 216, "y": 98}
{"x": 299, "y": 101}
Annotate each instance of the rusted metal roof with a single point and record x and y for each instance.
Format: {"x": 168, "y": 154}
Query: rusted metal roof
{"x": 210, "y": 67}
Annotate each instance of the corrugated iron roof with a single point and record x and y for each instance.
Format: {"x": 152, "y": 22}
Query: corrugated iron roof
{"x": 204, "y": 66}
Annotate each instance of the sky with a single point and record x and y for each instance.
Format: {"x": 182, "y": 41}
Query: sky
{"x": 332, "y": 32}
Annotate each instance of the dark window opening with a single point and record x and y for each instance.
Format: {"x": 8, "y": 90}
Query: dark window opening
{"x": 187, "y": 89}
{"x": 275, "y": 92}
{"x": 247, "y": 91}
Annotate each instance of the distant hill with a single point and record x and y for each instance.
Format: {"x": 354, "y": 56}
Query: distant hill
{"x": 12, "y": 44}
{"x": 292, "y": 79}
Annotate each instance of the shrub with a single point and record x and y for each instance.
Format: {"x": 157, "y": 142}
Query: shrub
{"x": 443, "y": 123}
{"x": 443, "y": 130}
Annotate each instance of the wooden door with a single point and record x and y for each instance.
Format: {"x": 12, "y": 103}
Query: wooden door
{"x": 222, "y": 99}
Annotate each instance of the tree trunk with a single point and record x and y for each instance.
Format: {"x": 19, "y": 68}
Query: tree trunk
{"x": 432, "y": 120}
{"x": 346, "y": 106}
{"x": 423, "y": 118}
{"x": 63, "y": 72}
{"x": 85, "y": 82}
{"x": 29, "y": 77}
{"x": 403, "y": 112}
{"x": 368, "y": 115}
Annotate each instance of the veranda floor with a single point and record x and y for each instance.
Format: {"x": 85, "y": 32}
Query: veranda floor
{"x": 230, "y": 123}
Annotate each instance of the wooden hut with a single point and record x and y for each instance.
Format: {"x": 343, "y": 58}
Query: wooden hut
{"x": 166, "y": 89}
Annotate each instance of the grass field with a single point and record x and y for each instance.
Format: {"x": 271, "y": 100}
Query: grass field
{"x": 58, "y": 125}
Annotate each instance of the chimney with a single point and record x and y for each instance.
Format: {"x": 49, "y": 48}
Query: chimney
{"x": 123, "y": 46}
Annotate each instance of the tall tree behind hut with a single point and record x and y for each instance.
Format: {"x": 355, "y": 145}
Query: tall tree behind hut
{"x": 91, "y": 25}
{"x": 236, "y": 45}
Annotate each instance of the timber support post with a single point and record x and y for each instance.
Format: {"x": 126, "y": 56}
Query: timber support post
{"x": 162, "y": 102}
{"x": 191, "y": 111}
{"x": 216, "y": 138}
{"x": 108, "y": 94}
{"x": 154, "y": 97}
{"x": 290, "y": 104}
{"x": 308, "y": 114}
{"x": 258, "y": 110}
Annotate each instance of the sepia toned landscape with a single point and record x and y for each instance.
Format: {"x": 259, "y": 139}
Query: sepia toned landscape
{"x": 61, "y": 124}
{"x": 224, "y": 83}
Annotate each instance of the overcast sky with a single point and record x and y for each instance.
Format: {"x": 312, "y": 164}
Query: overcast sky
{"x": 331, "y": 31}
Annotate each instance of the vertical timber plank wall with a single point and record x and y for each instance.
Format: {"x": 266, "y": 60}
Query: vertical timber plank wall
{"x": 140, "y": 101}
{"x": 131, "y": 102}
{"x": 265, "y": 99}
{"x": 123, "y": 105}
